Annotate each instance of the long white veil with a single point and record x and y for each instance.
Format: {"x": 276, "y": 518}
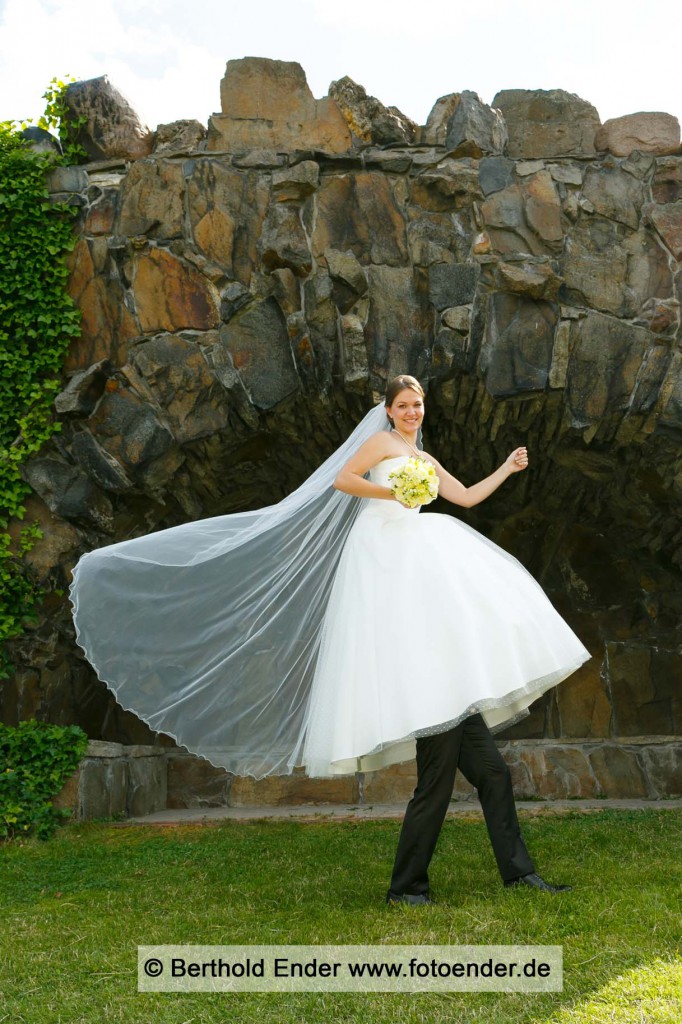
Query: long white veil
{"x": 209, "y": 631}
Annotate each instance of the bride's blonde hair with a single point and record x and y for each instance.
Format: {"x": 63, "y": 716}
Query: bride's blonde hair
{"x": 398, "y": 384}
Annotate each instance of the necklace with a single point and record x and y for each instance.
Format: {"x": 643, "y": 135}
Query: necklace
{"x": 418, "y": 454}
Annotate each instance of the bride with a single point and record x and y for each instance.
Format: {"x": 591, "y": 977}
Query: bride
{"x": 340, "y": 631}
{"x": 428, "y": 621}
{"x": 432, "y": 633}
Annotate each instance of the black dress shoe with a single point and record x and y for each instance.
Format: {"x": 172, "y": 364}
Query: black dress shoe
{"x": 413, "y": 899}
{"x": 535, "y": 882}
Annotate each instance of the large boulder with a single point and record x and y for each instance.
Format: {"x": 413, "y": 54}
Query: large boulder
{"x": 495, "y": 173}
{"x": 614, "y": 194}
{"x": 185, "y": 136}
{"x": 642, "y": 685}
{"x": 84, "y": 390}
{"x": 358, "y": 212}
{"x": 112, "y": 128}
{"x": 534, "y": 278}
{"x": 226, "y": 209}
{"x": 127, "y": 426}
{"x": 283, "y": 242}
{"x": 107, "y": 325}
{"x": 368, "y": 119}
{"x": 41, "y": 141}
{"x": 99, "y": 464}
{"x": 353, "y": 351}
{"x": 451, "y": 185}
{"x": 258, "y": 343}
{"x": 667, "y": 219}
{"x": 348, "y": 277}
{"x": 267, "y": 104}
{"x": 321, "y": 316}
{"x": 670, "y": 399}
{"x": 475, "y": 129}
{"x": 433, "y": 238}
{"x": 66, "y": 490}
{"x": 171, "y": 295}
{"x": 650, "y": 132}
{"x": 435, "y": 130}
{"x": 399, "y": 328}
{"x": 666, "y": 186}
{"x": 452, "y": 284}
{"x": 649, "y": 276}
{"x": 151, "y": 200}
{"x": 297, "y": 182}
{"x": 609, "y": 267}
{"x": 180, "y": 381}
{"x": 525, "y": 218}
{"x": 595, "y": 266}
{"x": 517, "y": 348}
{"x": 547, "y": 123}
{"x": 606, "y": 356}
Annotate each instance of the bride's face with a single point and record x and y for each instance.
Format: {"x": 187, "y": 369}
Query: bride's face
{"x": 407, "y": 410}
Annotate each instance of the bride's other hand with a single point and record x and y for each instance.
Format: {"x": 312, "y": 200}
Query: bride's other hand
{"x": 517, "y": 461}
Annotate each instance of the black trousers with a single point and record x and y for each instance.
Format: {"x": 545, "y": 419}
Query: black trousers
{"x": 471, "y": 748}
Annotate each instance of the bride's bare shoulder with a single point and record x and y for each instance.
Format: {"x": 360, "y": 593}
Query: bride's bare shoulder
{"x": 383, "y": 445}
{"x": 377, "y": 447}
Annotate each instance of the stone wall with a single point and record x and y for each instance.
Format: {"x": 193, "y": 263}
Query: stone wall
{"x": 114, "y": 780}
{"x": 248, "y": 288}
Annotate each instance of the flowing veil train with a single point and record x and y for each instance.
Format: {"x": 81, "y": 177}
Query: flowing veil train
{"x": 209, "y": 631}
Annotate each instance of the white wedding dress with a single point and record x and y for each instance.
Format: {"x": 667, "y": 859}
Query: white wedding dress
{"x": 427, "y": 622}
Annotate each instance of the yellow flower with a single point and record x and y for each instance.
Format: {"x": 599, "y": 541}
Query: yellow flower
{"x": 415, "y": 483}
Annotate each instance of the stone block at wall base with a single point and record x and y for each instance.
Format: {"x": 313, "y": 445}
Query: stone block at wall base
{"x": 632, "y": 767}
{"x": 195, "y": 782}
{"x": 115, "y": 780}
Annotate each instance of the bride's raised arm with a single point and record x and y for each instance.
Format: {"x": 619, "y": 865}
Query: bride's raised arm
{"x": 453, "y": 490}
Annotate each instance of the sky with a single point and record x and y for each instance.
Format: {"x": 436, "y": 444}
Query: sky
{"x": 168, "y": 56}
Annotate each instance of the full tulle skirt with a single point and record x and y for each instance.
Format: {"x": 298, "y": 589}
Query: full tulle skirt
{"x": 428, "y": 622}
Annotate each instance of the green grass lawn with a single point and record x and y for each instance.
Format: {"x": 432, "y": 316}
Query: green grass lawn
{"x": 74, "y": 909}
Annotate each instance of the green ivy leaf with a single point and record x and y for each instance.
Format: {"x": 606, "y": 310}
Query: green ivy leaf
{"x": 38, "y": 321}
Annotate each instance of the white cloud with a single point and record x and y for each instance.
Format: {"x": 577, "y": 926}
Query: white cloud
{"x": 65, "y": 38}
{"x": 400, "y": 18}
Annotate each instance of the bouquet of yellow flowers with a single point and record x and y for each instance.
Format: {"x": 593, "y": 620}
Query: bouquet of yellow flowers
{"x": 415, "y": 483}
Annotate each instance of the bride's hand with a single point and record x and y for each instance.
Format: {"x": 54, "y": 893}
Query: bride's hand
{"x": 518, "y": 460}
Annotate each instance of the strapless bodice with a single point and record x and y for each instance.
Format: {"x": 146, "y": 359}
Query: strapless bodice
{"x": 379, "y": 474}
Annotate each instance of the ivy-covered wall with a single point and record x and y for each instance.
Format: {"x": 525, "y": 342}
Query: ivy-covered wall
{"x": 38, "y": 322}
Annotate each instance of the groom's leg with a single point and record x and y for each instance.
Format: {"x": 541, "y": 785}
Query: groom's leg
{"x": 483, "y": 766}
{"x": 437, "y": 758}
